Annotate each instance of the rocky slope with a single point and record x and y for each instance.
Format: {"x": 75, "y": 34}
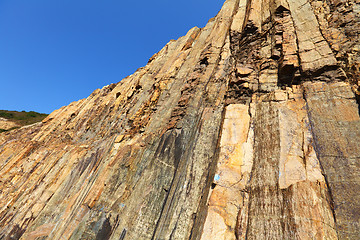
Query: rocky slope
{"x": 246, "y": 129}
{"x": 6, "y": 124}
{"x": 10, "y": 120}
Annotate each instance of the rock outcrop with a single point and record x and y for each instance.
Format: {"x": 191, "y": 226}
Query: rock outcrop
{"x": 248, "y": 128}
{"x": 6, "y": 124}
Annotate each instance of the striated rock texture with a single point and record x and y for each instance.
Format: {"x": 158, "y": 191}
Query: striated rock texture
{"x": 246, "y": 129}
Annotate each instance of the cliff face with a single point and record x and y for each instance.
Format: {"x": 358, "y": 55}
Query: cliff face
{"x": 246, "y": 129}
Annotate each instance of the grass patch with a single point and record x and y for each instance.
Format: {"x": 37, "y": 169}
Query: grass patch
{"x": 6, "y": 130}
{"x": 22, "y": 118}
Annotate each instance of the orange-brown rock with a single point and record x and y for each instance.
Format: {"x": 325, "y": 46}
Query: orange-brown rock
{"x": 248, "y": 128}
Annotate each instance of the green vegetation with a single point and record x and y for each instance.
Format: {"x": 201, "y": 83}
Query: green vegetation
{"x": 22, "y": 118}
{"x": 5, "y": 130}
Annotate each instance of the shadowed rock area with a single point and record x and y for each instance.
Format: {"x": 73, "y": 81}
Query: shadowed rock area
{"x": 248, "y": 128}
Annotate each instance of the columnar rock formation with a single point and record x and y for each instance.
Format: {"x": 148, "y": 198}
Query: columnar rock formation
{"x": 246, "y": 129}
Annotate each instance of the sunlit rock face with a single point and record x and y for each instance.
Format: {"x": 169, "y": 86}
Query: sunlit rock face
{"x": 248, "y": 128}
{"x": 7, "y": 124}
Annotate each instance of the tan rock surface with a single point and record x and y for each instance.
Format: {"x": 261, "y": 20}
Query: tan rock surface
{"x": 232, "y": 175}
{"x": 245, "y": 129}
{"x": 7, "y": 124}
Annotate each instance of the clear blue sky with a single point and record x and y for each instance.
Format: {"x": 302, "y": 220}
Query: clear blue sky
{"x": 53, "y": 52}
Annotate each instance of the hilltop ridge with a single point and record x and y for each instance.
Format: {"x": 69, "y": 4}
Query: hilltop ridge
{"x": 10, "y": 120}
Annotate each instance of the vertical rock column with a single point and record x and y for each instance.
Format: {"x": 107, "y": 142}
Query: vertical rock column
{"x": 335, "y": 123}
{"x": 268, "y": 172}
{"x": 228, "y": 195}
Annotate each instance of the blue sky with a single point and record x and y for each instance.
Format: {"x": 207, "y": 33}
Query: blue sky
{"x": 53, "y": 52}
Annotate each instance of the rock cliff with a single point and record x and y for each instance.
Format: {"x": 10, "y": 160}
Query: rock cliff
{"x": 248, "y": 128}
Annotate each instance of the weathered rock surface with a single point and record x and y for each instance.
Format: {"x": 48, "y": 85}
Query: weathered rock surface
{"x": 246, "y": 129}
{"x": 7, "y": 124}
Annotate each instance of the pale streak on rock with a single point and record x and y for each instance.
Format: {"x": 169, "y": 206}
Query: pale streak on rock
{"x": 238, "y": 21}
{"x": 298, "y": 161}
{"x": 254, "y": 16}
{"x": 232, "y": 174}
